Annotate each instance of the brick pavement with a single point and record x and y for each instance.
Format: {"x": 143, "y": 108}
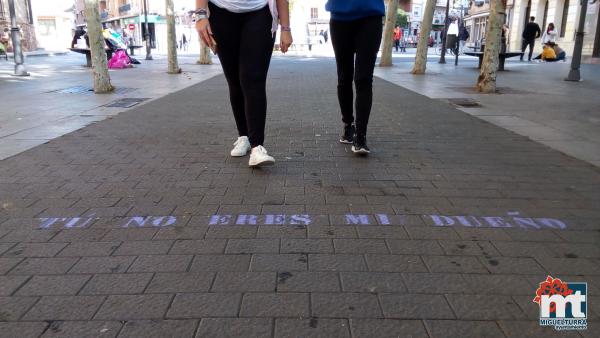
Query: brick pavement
{"x": 143, "y": 226}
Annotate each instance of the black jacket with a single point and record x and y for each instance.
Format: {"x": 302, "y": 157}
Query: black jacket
{"x": 463, "y": 34}
{"x": 532, "y": 31}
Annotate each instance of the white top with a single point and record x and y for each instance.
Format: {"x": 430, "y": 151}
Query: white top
{"x": 243, "y": 6}
{"x": 240, "y": 6}
{"x": 453, "y": 29}
{"x": 549, "y": 36}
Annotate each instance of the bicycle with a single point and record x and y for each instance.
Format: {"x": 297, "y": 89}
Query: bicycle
{"x": 449, "y": 51}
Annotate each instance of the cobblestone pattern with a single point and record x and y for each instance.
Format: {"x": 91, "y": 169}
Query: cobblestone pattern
{"x": 327, "y": 279}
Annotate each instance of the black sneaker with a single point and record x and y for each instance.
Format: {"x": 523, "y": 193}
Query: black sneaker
{"x": 359, "y": 146}
{"x": 348, "y": 134}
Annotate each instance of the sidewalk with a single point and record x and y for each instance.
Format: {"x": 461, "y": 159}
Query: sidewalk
{"x": 141, "y": 225}
{"x": 40, "y": 52}
{"x": 55, "y": 100}
{"x": 535, "y": 100}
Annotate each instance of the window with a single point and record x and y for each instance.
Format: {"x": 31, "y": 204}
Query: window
{"x": 46, "y": 26}
{"x": 417, "y": 11}
{"x": 314, "y": 13}
{"x": 479, "y": 27}
{"x": 563, "y": 22}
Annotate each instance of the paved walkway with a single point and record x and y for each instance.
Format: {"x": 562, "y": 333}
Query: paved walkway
{"x": 55, "y": 99}
{"x": 142, "y": 226}
{"x": 534, "y": 99}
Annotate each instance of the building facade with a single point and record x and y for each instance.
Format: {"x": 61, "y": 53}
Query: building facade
{"x": 128, "y": 18}
{"x": 564, "y": 14}
{"x": 417, "y": 8}
{"x": 53, "y": 21}
{"x": 24, "y": 20}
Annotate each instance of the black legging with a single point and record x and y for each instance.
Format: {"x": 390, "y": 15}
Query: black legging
{"x": 362, "y": 38}
{"x": 245, "y": 44}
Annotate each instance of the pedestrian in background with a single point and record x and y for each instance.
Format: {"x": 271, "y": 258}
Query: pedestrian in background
{"x": 549, "y": 34}
{"x": 561, "y": 55}
{"x": 531, "y": 32}
{"x": 504, "y": 38}
{"x": 403, "y": 45}
{"x": 397, "y": 37}
{"x": 452, "y": 36}
{"x": 463, "y": 36}
{"x": 548, "y": 54}
{"x": 356, "y": 28}
{"x": 242, "y": 33}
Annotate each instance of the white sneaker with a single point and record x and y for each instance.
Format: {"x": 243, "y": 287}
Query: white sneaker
{"x": 259, "y": 157}
{"x": 241, "y": 147}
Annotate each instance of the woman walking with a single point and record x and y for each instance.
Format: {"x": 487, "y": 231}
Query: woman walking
{"x": 242, "y": 33}
{"x": 356, "y": 27}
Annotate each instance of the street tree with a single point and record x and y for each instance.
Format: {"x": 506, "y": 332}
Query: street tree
{"x": 173, "y": 65}
{"x": 205, "y": 55}
{"x": 421, "y": 56}
{"x": 99, "y": 64}
{"x": 388, "y": 33}
{"x": 486, "y": 82}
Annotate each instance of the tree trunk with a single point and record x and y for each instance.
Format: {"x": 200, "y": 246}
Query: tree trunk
{"x": 388, "y": 33}
{"x": 171, "y": 40}
{"x": 486, "y": 83}
{"x": 421, "y": 57}
{"x": 205, "y": 54}
{"x": 99, "y": 63}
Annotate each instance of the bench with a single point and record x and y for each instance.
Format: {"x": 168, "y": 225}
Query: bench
{"x": 474, "y": 48}
{"x": 132, "y": 48}
{"x": 88, "y": 54}
{"x": 503, "y": 57}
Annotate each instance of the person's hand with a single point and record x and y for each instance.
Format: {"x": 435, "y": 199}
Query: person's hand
{"x": 285, "y": 41}
{"x": 203, "y": 28}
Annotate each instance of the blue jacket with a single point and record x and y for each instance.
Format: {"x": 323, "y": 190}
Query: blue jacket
{"x": 354, "y": 9}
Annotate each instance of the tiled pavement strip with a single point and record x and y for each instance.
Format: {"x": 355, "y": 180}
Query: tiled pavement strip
{"x": 178, "y": 276}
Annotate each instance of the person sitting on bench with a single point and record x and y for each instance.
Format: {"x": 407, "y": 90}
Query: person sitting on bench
{"x": 80, "y": 32}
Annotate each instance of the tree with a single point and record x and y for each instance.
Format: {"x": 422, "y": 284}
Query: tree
{"x": 421, "y": 57}
{"x": 205, "y": 56}
{"x": 171, "y": 40}
{"x": 402, "y": 18}
{"x": 388, "y": 33}
{"x": 486, "y": 82}
{"x": 99, "y": 64}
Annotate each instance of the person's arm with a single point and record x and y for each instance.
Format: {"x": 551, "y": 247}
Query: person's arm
{"x": 538, "y": 31}
{"x": 203, "y": 26}
{"x": 283, "y": 8}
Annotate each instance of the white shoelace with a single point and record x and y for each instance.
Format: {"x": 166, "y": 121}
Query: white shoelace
{"x": 239, "y": 141}
{"x": 261, "y": 150}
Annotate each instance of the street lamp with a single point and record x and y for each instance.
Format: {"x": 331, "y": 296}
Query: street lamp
{"x": 574, "y": 74}
{"x": 147, "y": 33}
{"x": 443, "y": 54}
{"x": 16, "y": 41}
